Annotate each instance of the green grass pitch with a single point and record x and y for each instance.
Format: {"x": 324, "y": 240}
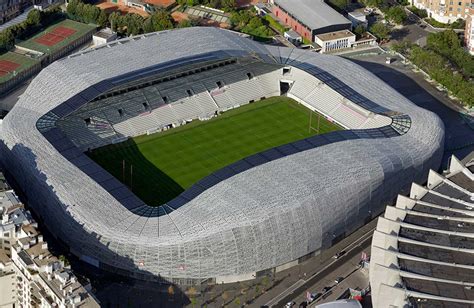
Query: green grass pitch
{"x": 159, "y": 167}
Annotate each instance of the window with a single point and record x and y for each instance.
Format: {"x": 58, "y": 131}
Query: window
{"x": 286, "y": 70}
{"x": 88, "y": 121}
{"x": 190, "y": 92}
{"x": 146, "y": 106}
{"x": 219, "y": 84}
{"x": 249, "y": 76}
{"x": 165, "y": 99}
{"x": 120, "y": 112}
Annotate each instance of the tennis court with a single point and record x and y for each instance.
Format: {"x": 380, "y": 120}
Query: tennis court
{"x": 12, "y": 64}
{"x": 57, "y": 35}
{"x": 7, "y": 67}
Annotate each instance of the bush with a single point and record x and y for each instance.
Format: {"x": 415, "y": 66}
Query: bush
{"x": 396, "y": 14}
{"x": 418, "y": 12}
{"x": 381, "y": 31}
{"x": 458, "y": 24}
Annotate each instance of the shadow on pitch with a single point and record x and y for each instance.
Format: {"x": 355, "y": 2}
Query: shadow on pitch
{"x": 126, "y": 162}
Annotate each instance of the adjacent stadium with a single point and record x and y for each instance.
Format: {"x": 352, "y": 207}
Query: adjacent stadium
{"x": 199, "y": 154}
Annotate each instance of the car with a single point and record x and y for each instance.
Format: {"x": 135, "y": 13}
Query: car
{"x": 315, "y": 296}
{"x": 339, "y": 280}
{"x": 290, "y": 304}
{"x": 339, "y": 254}
{"x": 325, "y": 289}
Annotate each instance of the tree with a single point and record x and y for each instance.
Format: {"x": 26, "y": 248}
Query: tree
{"x": 185, "y": 23}
{"x": 72, "y": 8}
{"x": 115, "y": 21}
{"x": 7, "y": 39}
{"x": 34, "y": 18}
{"x": 102, "y": 19}
{"x": 396, "y": 14}
{"x": 237, "y": 302}
{"x": 161, "y": 20}
{"x": 359, "y": 30}
{"x": 338, "y": 4}
{"x": 381, "y": 31}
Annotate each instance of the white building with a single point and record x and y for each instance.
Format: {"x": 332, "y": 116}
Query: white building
{"x": 7, "y": 281}
{"x": 445, "y": 11}
{"x": 43, "y": 280}
{"x": 333, "y": 41}
{"x": 104, "y": 36}
{"x": 358, "y": 18}
{"x": 29, "y": 275}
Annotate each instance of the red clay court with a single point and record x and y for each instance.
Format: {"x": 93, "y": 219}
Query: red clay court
{"x": 7, "y": 67}
{"x": 57, "y": 35}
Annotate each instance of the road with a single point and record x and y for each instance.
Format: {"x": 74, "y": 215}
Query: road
{"x": 352, "y": 250}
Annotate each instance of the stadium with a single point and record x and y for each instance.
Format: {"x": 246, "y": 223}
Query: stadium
{"x": 261, "y": 207}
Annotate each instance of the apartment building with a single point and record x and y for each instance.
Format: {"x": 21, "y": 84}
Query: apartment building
{"x": 469, "y": 32}
{"x": 30, "y": 276}
{"x": 445, "y": 11}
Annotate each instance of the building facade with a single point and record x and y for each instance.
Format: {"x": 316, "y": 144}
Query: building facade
{"x": 309, "y": 18}
{"x": 469, "y": 32}
{"x": 334, "y": 41}
{"x": 9, "y": 9}
{"x": 445, "y": 11}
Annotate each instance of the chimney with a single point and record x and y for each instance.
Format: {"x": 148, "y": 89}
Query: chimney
{"x": 44, "y": 245}
{"x": 49, "y": 276}
{"x": 40, "y": 238}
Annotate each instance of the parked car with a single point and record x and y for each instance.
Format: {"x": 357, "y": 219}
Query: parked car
{"x": 290, "y": 304}
{"x": 339, "y": 254}
{"x": 325, "y": 289}
{"x": 339, "y": 280}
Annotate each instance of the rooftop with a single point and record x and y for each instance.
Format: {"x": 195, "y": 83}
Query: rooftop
{"x": 335, "y": 35}
{"x": 105, "y": 33}
{"x": 314, "y": 14}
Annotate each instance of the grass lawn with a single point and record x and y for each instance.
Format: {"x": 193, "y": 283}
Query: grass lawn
{"x": 165, "y": 164}
{"x": 275, "y": 24}
{"x": 80, "y": 28}
{"x": 23, "y": 61}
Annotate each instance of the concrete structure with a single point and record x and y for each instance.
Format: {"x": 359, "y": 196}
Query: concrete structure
{"x": 293, "y": 37}
{"x": 446, "y": 11}
{"x": 104, "y": 36}
{"x": 308, "y": 17}
{"x": 334, "y": 41}
{"x": 343, "y": 303}
{"x": 423, "y": 248}
{"x": 469, "y": 32}
{"x": 358, "y": 18}
{"x": 268, "y": 210}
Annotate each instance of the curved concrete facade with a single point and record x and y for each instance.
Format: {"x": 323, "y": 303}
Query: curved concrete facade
{"x": 263, "y": 215}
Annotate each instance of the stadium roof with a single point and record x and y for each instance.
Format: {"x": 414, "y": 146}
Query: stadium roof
{"x": 273, "y": 208}
{"x": 422, "y": 248}
{"x": 314, "y": 14}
